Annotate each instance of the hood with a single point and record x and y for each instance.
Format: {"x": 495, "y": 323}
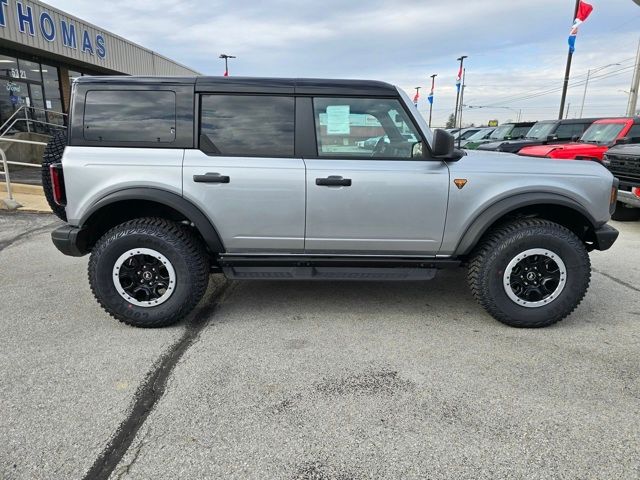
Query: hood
{"x": 511, "y": 146}
{"x": 568, "y": 148}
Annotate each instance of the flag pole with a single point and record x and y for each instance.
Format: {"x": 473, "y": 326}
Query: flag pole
{"x": 455, "y": 115}
{"x": 433, "y": 86}
{"x": 567, "y": 72}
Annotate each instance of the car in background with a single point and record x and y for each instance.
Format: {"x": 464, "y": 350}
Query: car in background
{"x": 542, "y": 133}
{"x": 465, "y": 133}
{"x": 599, "y": 137}
{"x": 482, "y": 134}
{"x": 624, "y": 162}
{"x": 506, "y": 131}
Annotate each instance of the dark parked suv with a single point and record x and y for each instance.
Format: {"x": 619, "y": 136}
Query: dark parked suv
{"x": 547, "y": 131}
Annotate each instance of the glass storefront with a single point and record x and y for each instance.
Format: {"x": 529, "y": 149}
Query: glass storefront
{"x": 30, "y": 83}
{"x": 22, "y": 85}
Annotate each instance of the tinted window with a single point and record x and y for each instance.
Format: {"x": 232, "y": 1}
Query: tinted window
{"x": 247, "y": 125}
{"x": 519, "y": 132}
{"x": 363, "y": 128}
{"x": 634, "y": 134}
{"x": 130, "y": 116}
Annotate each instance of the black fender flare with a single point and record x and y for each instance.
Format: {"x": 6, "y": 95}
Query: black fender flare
{"x": 491, "y": 214}
{"x": 180, "y": 204}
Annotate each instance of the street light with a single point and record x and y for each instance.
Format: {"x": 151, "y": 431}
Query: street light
{"x": 584, "y": 95}
{"x": 226, "y": 65}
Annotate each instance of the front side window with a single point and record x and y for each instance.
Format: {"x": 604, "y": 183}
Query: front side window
{"x": 540, "y": 131}
{"x": 120, "y": 116}
{"x": 634, "y": 134}
{"x": 363, "y": 128}
{"x": 250, "y": 125}
{"x": 519, "y": 132}
{"x": 502, "y": 132}
{"x": 602, "y": 132}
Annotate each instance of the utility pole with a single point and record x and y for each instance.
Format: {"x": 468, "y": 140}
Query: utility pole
{"x": 226, "y": 64}
{"x": 568, "y": 107}
{"x": 584, "y": 95}
{"x": 567, "y": 72}
{"x": 433, "y": 86}
{"x": 455, "y": 116}
{"x": 632, "y": 108}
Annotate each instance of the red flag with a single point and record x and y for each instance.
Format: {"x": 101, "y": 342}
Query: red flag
{"x": 584, "y": 10}
{"x": 226, "y": 73}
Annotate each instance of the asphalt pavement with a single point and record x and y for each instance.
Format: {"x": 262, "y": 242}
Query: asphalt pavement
{"x": 313, "y": 380}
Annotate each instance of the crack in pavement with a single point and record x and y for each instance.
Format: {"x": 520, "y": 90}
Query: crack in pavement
{"x": 617, "y": 280}
{"x": 7, "y": 243}
{"x": 151, "y": 391}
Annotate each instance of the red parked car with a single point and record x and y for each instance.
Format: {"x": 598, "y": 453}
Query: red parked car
{"x": 595, "y": 141}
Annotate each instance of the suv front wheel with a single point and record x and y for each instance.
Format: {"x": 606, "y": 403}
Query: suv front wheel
{"x": 530, "y": 273}
{"x": 149, "y": 272}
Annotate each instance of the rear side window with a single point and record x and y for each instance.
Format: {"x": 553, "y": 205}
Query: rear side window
{"x": 247, "y": 125}
{"x": 519, "y": 132}
{"x": 121, "y": 116}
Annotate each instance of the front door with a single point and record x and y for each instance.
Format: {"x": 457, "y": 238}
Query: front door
{"x": 366, "y": 193}
{"x": 245, "y": 176}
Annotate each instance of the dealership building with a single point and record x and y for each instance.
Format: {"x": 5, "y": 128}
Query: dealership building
{"x": 42, "y": 49}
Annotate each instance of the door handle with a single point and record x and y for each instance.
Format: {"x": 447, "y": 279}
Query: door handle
{"x": 333, "y": 181}
{"x": 211, "y": 178}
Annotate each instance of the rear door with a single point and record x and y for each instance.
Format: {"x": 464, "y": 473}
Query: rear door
{"x": 366, "y": 193}
{"x": 245, "y": 176}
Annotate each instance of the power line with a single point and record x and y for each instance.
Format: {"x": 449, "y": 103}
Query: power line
{"x": 558, "y": 89}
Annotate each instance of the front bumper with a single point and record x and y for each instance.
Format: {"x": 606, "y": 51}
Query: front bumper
{"x": 604, "y": 237}
{"x": 629, "y": 198}
{"x": 71, "y": 241}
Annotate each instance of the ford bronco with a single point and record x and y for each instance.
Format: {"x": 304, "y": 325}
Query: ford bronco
{"x": 166, "y": 180}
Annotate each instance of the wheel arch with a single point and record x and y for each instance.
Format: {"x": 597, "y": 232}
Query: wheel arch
{"x": 550, "y": 206}
{"x": 130, "y": 203}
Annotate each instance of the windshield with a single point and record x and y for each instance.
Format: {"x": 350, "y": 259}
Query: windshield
{"x": 501, "y": 132}
{"x": 481, "y": 135}
{"x": 540, "y": 131}
{"x": 602, "y": 132}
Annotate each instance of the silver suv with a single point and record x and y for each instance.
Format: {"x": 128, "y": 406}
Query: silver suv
{"x": 165, "y": 180}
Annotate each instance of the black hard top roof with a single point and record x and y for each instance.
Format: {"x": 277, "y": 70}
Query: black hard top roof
{"x": 571, "y": 120}
{"x": 311, "y": 86}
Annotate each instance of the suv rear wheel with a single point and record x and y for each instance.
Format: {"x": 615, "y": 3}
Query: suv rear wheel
{"x": 148, "y": 272}
{"x": 530, "y": 273}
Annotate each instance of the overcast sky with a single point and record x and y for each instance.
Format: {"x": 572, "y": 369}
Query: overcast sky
{"x": 515, "y": 48}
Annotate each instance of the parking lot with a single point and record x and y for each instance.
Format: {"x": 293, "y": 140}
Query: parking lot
{"x": 313, "y": 380}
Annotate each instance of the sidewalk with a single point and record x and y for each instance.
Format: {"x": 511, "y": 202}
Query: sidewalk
{"x": 31, "y": 197}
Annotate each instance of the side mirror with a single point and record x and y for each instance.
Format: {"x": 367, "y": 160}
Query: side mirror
{"x": 551, "y": 138}
{"x": 623, "y": 141}
{"x": 575, "y": 138}
{"x": 443, "y": 144}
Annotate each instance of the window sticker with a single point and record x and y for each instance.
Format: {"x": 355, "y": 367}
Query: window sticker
{"x": 338, "y": 120}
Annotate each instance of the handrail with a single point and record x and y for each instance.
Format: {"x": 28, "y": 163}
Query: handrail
{"x": 26, "y": 109}
{"x": 39, "y": 122}
{"x": 6, "y": 163}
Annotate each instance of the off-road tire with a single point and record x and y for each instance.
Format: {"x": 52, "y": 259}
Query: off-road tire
{"x": 502, "y": 244}
{"x": 53, "y": 154}
{"x": 177, "y": 243}
{"x": 625, "y": 214}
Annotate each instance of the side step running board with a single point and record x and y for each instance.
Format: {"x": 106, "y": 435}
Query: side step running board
{"x": 302, "y": 267}
{"x": 328, "y": 273}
